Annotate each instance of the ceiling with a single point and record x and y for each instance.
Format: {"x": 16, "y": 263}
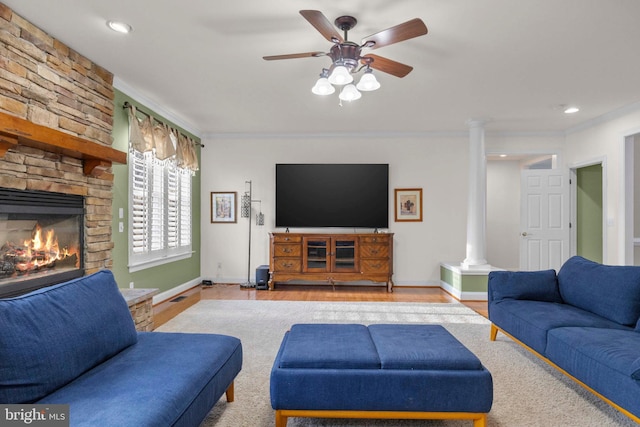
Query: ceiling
{"x": 512, "y": 63}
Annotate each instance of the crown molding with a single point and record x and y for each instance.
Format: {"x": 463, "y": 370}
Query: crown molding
{"x": 124, "y": 87}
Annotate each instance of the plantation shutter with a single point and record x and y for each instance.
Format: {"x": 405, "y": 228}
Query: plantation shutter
{"x": 173, "y": 187}
{"x": 185, "y": 209}
{"x": 157, "y": 206}
{"x": 138, "y": 203}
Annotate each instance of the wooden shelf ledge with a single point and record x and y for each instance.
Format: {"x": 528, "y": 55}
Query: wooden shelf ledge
{"x": 16, "y": 131}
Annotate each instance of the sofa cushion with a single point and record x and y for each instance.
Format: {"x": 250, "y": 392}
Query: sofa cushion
{"x": 610, "y": 291}
{"x": 346, "y": 346}
{"x": 635, "y": 369}
{"x": 432, "y": 347}
{"x": 527, "y": 285}
{"x": 585, "y": 348}
{"x": 155, "y": 382}
{"x": 601, "y": 358}
{"x": 530, "y": 321}
{"x": 53, "y": 335}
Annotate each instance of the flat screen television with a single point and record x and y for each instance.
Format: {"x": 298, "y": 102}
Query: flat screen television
{"x": 332, "y": 195}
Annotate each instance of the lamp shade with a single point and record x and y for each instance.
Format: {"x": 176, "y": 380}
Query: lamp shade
{"x": 350, "y": 93}
{"x": 340, "y": 76}
{"x": 368, "y": 82}
{"x": 245, "y": 205}
{"x": 323, "y": 87}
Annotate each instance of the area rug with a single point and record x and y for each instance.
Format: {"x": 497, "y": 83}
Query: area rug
{"x": 527, "y": 392}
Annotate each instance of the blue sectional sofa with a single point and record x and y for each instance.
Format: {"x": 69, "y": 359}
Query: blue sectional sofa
{"x": 584, "y": 320}
{"x": 75, "y": 343}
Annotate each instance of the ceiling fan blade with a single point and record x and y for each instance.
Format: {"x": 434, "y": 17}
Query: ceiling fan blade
{"x": 400, "y": 32}
{"x": 322, "y": 24}
{"x": 294, "y": 55}
{"x": 386, "y": 65}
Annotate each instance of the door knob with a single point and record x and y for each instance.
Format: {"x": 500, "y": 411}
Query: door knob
{"x": 524, "y": 234}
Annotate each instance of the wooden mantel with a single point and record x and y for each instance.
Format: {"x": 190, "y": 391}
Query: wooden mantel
{"x": 14, "y": 131}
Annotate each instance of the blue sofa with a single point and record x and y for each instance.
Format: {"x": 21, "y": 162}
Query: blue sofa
{"x": 583, "y": 320}
{"x": 75, "y": 343}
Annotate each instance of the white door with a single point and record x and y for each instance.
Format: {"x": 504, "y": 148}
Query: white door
{"x": 544, "y": 210}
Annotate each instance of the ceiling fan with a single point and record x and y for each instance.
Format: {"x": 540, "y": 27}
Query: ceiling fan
{"x": 347, "y": 55}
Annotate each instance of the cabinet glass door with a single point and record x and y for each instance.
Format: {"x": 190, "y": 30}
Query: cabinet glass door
{"x": 316, "y": 255}
{"x": 344, "y": 255}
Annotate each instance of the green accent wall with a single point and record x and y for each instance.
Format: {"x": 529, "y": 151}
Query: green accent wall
{"x": 589, "y": 212}
{"x": 464, "y": 282}
{"x": 166, "y": 276}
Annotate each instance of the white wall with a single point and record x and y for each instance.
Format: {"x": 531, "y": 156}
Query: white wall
{"x": 438, "y": 165}
{"x": 503, "y": 214}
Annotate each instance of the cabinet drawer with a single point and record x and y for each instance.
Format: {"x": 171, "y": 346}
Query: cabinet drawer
{"x": 375, "y": 239}
{"x": 374, "y": 251}
{"x": 283, "y": 249}
{"x": 283, "y": 238}
{"x": 281, "y": 265}
{"x": 375, "y": 266}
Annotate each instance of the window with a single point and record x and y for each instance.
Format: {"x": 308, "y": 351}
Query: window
{"x": 162, "y": 162}
{"x": 160, "y": 211}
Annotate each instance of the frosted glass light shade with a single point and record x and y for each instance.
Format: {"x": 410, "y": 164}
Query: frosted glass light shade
{"x": 340, "y": 76}
{"x": 350, "y": 93}
{"x": 368, "y": 82}
{"x": 120, "y": 27}
{"x": 323, "y": 87}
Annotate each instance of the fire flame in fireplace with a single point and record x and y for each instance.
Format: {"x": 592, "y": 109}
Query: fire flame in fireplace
{"x": 41, "y": 251}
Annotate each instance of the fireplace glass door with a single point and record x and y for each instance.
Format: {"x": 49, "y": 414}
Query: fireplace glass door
{"x": 41, "y": 239}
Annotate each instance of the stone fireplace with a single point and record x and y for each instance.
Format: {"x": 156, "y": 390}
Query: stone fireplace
{"x": 56, "y": 120}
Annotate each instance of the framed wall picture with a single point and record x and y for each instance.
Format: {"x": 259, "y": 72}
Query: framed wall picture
{"x": 224, "y": 206}
{"x": 408, "y": 204}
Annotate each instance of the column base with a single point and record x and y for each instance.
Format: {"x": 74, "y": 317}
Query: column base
{"x": 475, "y": 266}
{"x": 465, "y": 284}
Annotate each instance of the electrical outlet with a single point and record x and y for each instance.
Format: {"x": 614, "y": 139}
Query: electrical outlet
{"x": 131, "y": 285}
{"x": 219, "y": 265}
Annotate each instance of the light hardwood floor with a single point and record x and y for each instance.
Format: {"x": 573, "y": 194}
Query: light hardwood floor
{"x": 167, "y": 310}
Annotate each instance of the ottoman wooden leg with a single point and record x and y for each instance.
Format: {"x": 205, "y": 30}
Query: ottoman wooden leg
{"x": 480, "y": 422}
{"x": 281, "y": 420}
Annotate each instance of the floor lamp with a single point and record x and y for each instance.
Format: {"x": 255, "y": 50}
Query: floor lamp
{"x": 245, "y": 212}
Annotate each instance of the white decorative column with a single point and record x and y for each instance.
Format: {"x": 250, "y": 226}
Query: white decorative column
{"x": 476, "y": 209}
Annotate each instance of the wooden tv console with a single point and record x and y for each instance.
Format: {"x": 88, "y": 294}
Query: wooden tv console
{"x": 331, "y": 258}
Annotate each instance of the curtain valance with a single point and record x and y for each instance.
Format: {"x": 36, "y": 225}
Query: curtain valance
{"x": 149, "y": 134}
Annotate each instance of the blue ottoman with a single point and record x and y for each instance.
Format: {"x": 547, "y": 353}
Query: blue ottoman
{"x": 379, "y": 371}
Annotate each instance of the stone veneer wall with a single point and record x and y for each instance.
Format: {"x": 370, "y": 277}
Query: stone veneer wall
{"x": 44, "y": 81}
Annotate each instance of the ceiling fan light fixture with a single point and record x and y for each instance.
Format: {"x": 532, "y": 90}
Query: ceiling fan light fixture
{"x": 368, "y": 82}
{"x": 340, "y": 76}
{"x": 349, "y": 93}
{"x": 323, "y": 87}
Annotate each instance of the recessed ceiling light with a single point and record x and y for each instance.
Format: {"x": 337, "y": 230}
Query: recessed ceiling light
{"x": 119, "y": 27}
{"x": 503, "y": 155}
{"x": 571, "y": 110}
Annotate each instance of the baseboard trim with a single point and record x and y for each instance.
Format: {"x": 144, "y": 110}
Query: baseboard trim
{"x": 166, "y": 295}
{"x": 463, "y": 296}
